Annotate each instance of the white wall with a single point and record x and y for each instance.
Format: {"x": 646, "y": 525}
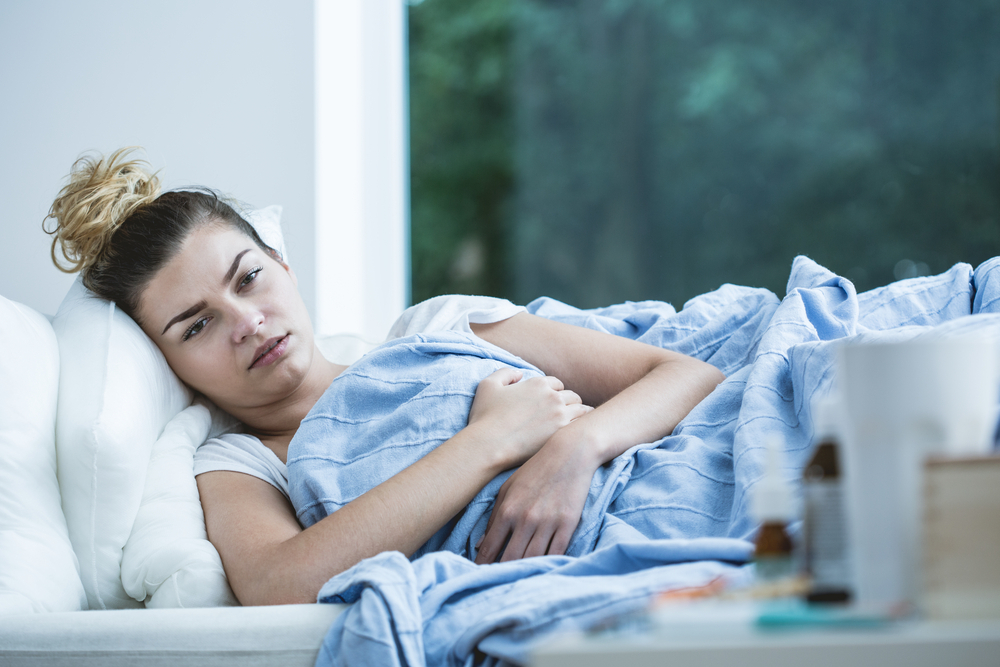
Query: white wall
{"x": 219, "y": 92}
{"x": 300, "y": 103}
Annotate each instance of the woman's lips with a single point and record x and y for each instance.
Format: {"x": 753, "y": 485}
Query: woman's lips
{"x": 270, "y": 351}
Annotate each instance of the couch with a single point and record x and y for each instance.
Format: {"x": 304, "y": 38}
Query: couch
{"x": 104, "y": 557}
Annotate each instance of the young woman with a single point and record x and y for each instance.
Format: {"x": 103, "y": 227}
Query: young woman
{"x": 224, "y": 309}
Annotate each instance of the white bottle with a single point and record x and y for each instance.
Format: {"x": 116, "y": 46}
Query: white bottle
{"x": 773, "y": 506}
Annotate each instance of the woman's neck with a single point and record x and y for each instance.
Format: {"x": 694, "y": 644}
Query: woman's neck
{"x": 280, "y": 420}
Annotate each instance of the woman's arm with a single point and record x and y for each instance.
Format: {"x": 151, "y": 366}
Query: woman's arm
{"x": 641, "y": 393}
{"x": 269, "y": 559}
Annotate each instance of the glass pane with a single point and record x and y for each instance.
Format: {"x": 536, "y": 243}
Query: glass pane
{"x": 599, "y": 151}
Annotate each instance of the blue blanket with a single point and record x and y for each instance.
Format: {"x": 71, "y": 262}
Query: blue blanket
{"x": 665, "y": 514}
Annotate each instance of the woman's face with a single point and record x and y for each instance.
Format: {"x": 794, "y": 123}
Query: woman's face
{"x": 229, "y": 319}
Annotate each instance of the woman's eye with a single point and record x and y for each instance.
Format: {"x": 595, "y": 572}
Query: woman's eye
{"x": 195, "y": 328}
{"x": 250, "y": 276}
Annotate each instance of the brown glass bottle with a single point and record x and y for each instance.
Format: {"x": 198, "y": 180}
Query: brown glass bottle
{"x": 773, "y": 552}
{"x": 825, "y": 529}
{"x": 772, "y": 505}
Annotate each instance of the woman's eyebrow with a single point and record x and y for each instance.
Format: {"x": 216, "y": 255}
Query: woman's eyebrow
{"x": 201, "y": 304}
{"x": 232, "y": 269}
{"x": 186, "y": 314}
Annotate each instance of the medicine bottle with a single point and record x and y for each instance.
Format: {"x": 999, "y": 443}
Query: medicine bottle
{"x": 772, "y": 505}
{"x": 824, "y": 527}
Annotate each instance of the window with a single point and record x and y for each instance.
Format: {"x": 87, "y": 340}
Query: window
{"x": 599, "y": 151}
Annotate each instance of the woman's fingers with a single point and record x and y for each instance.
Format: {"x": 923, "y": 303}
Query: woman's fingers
{"x": 539, "y": 544}
{"x": 507, "y": 376}
{"x": 523, "y": 414}
{"x": 570, "y": 397}
{"x": 539, "y": 506}
{"x": 555, "y": 382}
{"x": 493, "y": 515}
{"x": 492, "y": 541}
{"x": 515, "y": 535}
{"x": 560, "y": 540}
{"x": 525, "y": 541}
{"x": 575, "y": 407}
{"x": 517, "y": 543}
{"x": 491, "y": 544}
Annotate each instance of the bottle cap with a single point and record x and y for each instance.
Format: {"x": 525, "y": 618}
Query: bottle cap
{"x": 826, "y": 417}
{"x": 771, "y": 498}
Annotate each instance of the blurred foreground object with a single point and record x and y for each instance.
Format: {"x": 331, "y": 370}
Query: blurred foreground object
{"x": 934, "y": 395}
{"x": 962, "y": 538}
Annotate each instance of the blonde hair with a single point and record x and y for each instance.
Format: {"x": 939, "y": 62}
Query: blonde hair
{"x": 101, "y": 194}
{"x": 113, "y": 224}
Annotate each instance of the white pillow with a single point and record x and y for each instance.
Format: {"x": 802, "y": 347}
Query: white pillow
{"x": 116, "y": 395}
{"x": 168, "y": 560}
{"x": 344, "y": 348}
{"x": 267, "y": 222}
{"x": 38, "y": 569}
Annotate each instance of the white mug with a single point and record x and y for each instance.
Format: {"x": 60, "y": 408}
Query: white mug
{"x": 902, "y": 402}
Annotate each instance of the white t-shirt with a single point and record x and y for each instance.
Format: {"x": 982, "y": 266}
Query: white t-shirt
{"x": 239, "y": 452}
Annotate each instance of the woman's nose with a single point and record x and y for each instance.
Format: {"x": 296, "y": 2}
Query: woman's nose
{"x": 249, "y": 320}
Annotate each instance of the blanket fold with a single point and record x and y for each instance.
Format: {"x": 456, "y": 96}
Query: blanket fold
{"x": 500, "y": 610}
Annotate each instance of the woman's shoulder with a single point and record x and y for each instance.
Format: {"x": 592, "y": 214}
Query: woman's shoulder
{"x": 245, "y": 453}
{"x": 452, "y": 312}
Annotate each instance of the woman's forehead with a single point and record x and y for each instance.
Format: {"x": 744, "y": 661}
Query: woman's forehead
{"x": 207, "y": 245}
{"x": 199, "y": 267}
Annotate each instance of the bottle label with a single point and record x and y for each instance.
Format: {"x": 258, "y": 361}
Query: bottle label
{"x": 826, "y": 534}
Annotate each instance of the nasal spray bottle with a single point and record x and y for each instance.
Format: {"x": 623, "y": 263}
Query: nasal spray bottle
{"x": 773, "y": 506}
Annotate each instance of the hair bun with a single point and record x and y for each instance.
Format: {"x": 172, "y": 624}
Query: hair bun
{"x": 101, "y": 194}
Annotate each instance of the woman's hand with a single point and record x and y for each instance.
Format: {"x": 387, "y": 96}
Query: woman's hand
{"x": 640, "y": 393}
{"x": 521, "y": 415}
{"x": 539, "y": 506}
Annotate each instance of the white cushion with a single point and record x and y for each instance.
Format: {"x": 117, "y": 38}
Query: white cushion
{"x": 116, "y": 395}
{"x": 168, "y": 560}
{"x": 344, "y": 348}
{"x": 38, "y": 569}
{"x": 267, "y": 222}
